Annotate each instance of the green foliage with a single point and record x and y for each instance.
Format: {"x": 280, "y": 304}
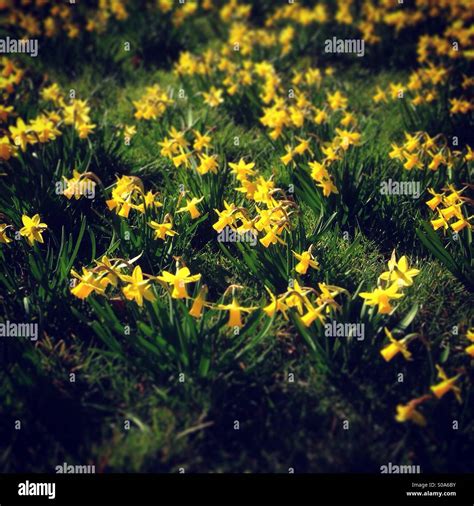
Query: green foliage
{"x": 458, "y": 254}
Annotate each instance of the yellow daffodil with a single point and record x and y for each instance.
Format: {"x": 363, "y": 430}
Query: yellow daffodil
{"x": 129, "y": 131}
{"x": 306, "y": 261}
{"x": 138, "y": 288}
{"x": 296, "y": 297}
{"x": 201, "y": 141}
{"x": 213, "y": 97}
{"x": 235, "y": 312}
{"x": 408, "y": 412}
{"x": 179, "y": 281}
{"x": 435, "y": 201}
{"x": 395, "y": 347}
{"x": 446, "y": 385}
{"x": 272, "y": 236}
{"x": 302, "y": 147}
{"x": 397, "y": 152}
{"x": 182, "y": 159}
{"x": 33, "y": 228}
{"x": 399, "y": 271}
{"x": 88, "y": 283}
{"x": 439, "y": 222}
{"x": 242, "y": 170}
{"x": 191, "y": 207}
{"x": 412, "y": 161}
{"x": 162, "y": 229}
{"x": 226, "y": 217}
{"x": 412, "y": 142}
{"x": 7, "y": 149}
{"x": 379, "y": 96}
{"x": 470, "y": 350}
{"x": 276, "y": 304}
{"x": 21, "y": 134}
{"x": 286, "y": 159}
{"x": 337, "y": 100}
{"x": 3, "y": 233}
{"x": 198, "y": 303}
{"x": 110, "y": 272}
{"x": 207, "y": 164}
{"x": 382, "y": 297}
{"x": 312, "y": 314}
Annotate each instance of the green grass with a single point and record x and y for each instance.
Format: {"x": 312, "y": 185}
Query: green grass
{"x": 228, "y": 378}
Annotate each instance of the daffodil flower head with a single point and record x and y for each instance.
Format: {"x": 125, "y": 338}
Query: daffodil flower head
{"x": 178, "y": 281}
{"x": 446, "y": 385}
{"x": 395, "y": 347}
{"x": 137, "y": 288}
{"x": 399, "y": 271}
{"x": 33, "y": 229}
{"x": 408, "y": 412}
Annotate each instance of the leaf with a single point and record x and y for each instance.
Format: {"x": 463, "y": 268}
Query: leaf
{"x": 408, "y": 318}
{"x": 444, "y": 354}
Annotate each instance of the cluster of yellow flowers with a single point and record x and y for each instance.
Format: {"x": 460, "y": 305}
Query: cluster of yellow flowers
{"x": 298, "y": 13}
{"x": 153, "y": 104}
{"x": 272, "y": 216}
{"x": 310, "y": 304}
{"x": 189, "y": 64}
{"x": 80, "y": 185}
{"x": 45, "y": 127}
{"x": 97, "y": 279}
{"x": 436, "y": 54}
{"x": 282, "y": 112}
{"x": 449, "y": 205}
{"x": 181, "y": 11}
{"x": 421, "y": 87}
{"x": 296, "y": 107}
{"x": 40, "y": 129}
{"x": 11, "y": 76}
{"x": 186, "y": 153}
{"x": 283, "y": 108}
{"x": 420, "y": 150}
{"x": 281, "y": 115}
{"x": 287, "y": 105}
{"x": 77, "y": 114}
{"x": 108, "y": 273}
{"x": 470, "y": 336}
{"x": 139, "y": 286}
{"x": 128, "y": 193}
{"x": 50, "y": 18}
{"x": 32, "y": 230}
{"x": 398, "y": 276}
{"x": 333, "y": 151}
{"x": 454, "y": 44}
{"x": 409, "y": 412}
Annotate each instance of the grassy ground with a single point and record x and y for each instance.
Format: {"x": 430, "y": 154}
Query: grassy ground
{"x": 300, "y": 400}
